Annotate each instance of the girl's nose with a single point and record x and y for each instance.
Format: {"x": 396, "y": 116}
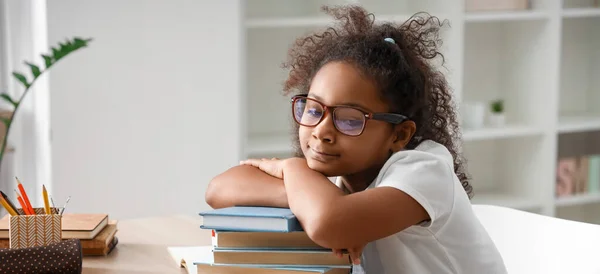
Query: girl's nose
{"x": 325, "y": 131}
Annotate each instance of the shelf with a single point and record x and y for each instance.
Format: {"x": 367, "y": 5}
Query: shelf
{"x": 581, "y": 12}
{"x": 509, "y": 131}
{"x": 269, "y": 145}
{"x": 569, "y": 124}
{"x": 579, "y": 199}
{"x": 505, "y": 16}
{"x": 290, "y": 22}
{"x": 505, "y": 200}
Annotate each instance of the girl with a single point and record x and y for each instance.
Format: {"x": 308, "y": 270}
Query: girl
{"x": 371, "y": 110}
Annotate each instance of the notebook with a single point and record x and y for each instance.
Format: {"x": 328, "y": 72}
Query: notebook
{"x": 249, "y": 218}
{"x": 199, "y": 259}
{"x": 74, "y": 225}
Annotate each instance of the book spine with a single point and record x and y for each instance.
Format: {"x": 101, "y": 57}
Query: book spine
{"x": 594, "y": 174}
{"x": 294, "y": 225}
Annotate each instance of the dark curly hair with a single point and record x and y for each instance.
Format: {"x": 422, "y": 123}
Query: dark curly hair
{"x": 403, "y": 71}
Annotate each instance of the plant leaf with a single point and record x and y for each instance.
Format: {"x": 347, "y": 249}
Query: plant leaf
{"x": 9, "y": 99}
{"x": 81, "y": 42}
{"x": 56, "y": 54}
{"x": 5, "y": 121}
{"x": 21, "y": 79}
{"x": 47, "y": 60}
{"x": 35, "y": 70}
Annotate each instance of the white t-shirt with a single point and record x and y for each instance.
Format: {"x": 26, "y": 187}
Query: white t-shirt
{"x": 454, "y": 241}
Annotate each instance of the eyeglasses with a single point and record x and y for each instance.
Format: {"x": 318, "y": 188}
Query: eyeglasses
{"x": 348, "y": 120}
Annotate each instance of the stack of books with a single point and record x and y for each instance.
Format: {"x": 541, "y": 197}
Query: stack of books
{"x": 259, "y": 240}
{"x": 96, "y": 233}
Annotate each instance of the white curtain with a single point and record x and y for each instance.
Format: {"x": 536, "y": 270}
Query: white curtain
{"x": 23, "y": 37}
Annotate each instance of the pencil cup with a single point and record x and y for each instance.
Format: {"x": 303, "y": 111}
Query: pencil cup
{"x": 34, "y": 230}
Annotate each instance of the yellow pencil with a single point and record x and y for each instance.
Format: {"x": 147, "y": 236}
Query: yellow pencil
{"x": 46, "y": 202}
{"x": 8, "y": 208}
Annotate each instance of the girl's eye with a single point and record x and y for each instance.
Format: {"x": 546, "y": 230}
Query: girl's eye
{"x": 314, "y": 112}
{"x": 350, "y": 123}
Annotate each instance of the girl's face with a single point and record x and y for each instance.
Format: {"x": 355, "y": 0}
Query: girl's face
{"x": 333, "y": 153}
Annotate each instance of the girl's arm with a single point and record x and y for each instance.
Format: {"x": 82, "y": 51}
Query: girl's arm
{"x": 340, "y": 221}
{"x": 245, "y": 185}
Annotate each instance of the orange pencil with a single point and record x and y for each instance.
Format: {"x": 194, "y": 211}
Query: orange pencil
{"x": 25, "y": 198}
{"x": 22, "y": 203}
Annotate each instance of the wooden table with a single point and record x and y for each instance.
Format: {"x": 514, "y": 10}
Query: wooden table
{"x": 143, "y": 245}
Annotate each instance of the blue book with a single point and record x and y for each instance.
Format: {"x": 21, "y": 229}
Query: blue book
{"x": 265, "y": 269}
{"x": 251, "y": 218}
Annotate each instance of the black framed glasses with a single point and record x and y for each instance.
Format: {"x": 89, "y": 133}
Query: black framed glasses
{"x": 348, "y": 120}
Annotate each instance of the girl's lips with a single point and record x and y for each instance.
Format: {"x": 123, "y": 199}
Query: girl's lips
{"x": 322, "y": 156}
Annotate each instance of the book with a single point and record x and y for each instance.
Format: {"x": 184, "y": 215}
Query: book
{"x": 200, "y": 259}
{"x": 251, "y": 218}
{"x": 102, "y": 244}
{"x": 289, "y": 257}
{"x": 594, "y": 174}
{"x": 261, "y": 239}
{"x": 74, "y": 225}
{"x": 566, "y": 176}
{"x": 101, "y": 251}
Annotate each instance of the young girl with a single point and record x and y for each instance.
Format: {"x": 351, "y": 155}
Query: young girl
{"x": 372, "y": 110}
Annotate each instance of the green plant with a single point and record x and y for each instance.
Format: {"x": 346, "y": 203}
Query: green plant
{"x": 58, "y": 53}
{"x": 497, "y": 106}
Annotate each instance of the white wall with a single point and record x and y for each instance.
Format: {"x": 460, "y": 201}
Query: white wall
{"x": 150, "y": 112}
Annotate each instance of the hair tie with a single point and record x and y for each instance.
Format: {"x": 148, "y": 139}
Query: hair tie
{"x": 389, "y": 40}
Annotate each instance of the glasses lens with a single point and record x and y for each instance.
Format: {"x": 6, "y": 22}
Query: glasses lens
{"x": 349, "y": 121}
{"x": 307, "y": 112}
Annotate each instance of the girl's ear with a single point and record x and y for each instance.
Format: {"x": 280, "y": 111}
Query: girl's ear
{"x": 403, "y": 133}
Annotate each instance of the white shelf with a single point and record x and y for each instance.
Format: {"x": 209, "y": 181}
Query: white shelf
{"x": 508, "y": 55}
{"x": 505, "y": 16}
{"x": 579, "y": 199}
{"x": 505, "y": 200}
{"x": 315, "y": 21}
{"x": 509, "y": 131}
{"x": 569, "y": 124}
{"x": 269, "y": 145}
{"x": 288, "y": 22}
{"x": 581, "y": 12}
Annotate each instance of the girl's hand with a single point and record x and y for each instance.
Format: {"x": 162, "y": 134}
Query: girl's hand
{"x": 355, "y": 254}
{"x": 273, "y": 166}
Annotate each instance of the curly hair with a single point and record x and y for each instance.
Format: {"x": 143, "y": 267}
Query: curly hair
{"x": 402, "y": 71}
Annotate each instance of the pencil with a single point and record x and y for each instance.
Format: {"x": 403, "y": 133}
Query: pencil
{"x": 9, "y": 202}
{"x": 53, "y": 205}
{"x": 25, "y": 198}
{"x": 11, "y": 211}
{"x": 46, "y": 202}
{"x": 22, "y": 203}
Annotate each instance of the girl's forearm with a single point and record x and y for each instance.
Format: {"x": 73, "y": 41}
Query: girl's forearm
{"x": 246, "y": 185}
{"x": 311, "y": 195}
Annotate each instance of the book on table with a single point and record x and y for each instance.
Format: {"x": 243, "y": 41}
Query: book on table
{"x": 96, "y": 233}
{"x": 258, "y": 240}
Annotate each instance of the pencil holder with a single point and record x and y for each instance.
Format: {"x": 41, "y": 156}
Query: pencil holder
{"x": 34, "y": 230}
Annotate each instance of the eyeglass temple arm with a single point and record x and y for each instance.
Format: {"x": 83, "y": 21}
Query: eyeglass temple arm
{"x": 393, "y": 118}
